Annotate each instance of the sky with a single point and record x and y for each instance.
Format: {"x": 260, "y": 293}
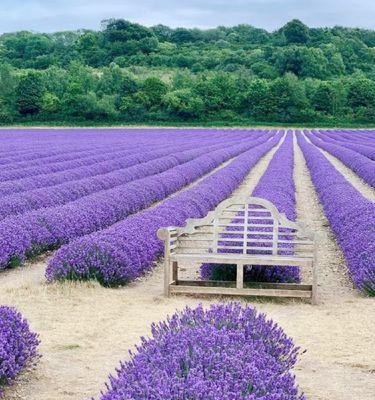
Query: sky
{"x": 57, "y": 15}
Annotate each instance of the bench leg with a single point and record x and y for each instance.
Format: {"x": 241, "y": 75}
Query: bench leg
{"x": 239, "y": 279}
{"x": 314, "y": 296}
{"x": 174, "y": 272}
{"x": 167, "y": 268}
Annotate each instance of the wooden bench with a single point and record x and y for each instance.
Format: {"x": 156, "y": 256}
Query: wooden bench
{"x": 219, "y": 238}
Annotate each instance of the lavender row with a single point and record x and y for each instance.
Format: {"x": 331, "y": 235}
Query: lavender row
{"x": 18, "y": 345}
{"x": 225, "y": 352}
{"x": 34, "y": 142}
{"x": 73, "y": 190}
{"x": 277, "y": 186}
{"x": 83, "y": 155}
{"x": 366, "y": 150}
{"x": 360, "y": 164}
{"x": 65, "y": 156}
{"x": 46, "y": 153}
{"x": 67, "y": 165}
{"x": 44, "y": 146}
{"x": 25, "y": 184}
{"x": 46, "y": 180}
{"x": 350, "y": 136}
{"x": 351, "y": 216}
{"x": 55, "y": 178}
{"x": 129, "y": 248}
{"x": 38, "y": 230}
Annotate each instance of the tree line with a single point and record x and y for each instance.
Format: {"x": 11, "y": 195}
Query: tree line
{"x": 130, "y": 73}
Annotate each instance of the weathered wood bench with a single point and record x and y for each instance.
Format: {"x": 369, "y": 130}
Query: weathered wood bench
{"x": 243, "y": 232}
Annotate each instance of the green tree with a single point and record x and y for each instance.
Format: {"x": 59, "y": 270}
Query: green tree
{"x": 90, "y": 48}
{"x": 184, "y": 104}
{"x": 8, "y": 87}
{"x": 29, "y": 94}
{"x": 256, "y": 102}
{"x": 361, "y": 98}
{"x": 288, "y": 99}
{"x": 123, "y": 37}
{"x": 219, "y": 92}
{"x": 296, "y": 32}
{"x": 50, "y": 103}
{"x": 154, "y": 89}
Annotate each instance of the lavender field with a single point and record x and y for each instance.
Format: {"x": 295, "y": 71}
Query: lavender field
{"x": 80, "y": 259}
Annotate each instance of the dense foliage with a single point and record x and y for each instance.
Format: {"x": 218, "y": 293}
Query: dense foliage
{"x": 129, "y": 73}
{"x": 225, "y": 352}
{"x": 18, "y": 345}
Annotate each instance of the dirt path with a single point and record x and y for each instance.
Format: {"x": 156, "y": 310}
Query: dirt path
{"x": 86, "y": 329}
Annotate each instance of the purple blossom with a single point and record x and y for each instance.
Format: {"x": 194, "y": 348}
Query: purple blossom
{"x": 18, "y": 345}
{"x": 227, "y": 352}
{"x": 364, "y": 146}
{"x": 350, "y": 214}
{"x": 70, "y": 191}
{"x": 27, "y": 234}
{"x": 144, "y": 146}
{"x": 129, "y": 248}
{"x": 361, "y": 165}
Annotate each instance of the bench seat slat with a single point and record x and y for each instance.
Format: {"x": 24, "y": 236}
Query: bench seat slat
{"x": 238, "y": 258}
{"x": 240, "y": 292}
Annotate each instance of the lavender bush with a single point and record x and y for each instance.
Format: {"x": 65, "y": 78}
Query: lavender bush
{"x": 141, "y": 151}
{"x": 73, "y": 190}
{"x": 366, "y": 148}
{"x": 36, "y": 231}
{"x": 18, "y": 345}
{"x": 228, "y": 352}
{"x": 129, "y": 248}
{"x": 55, "y": 178}
{"x": 361, "y": 165}
{"x": 277, "y": 186}
{"x": 351, "y": 216}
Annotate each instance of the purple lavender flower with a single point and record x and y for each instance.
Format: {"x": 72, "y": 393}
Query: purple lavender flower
{"x": 227, "y": 352}
{"x": 350, "y": 214}
{"x": 361, "y": 165}
{"x": 31, "y": 233}
{"x": 128, "y": 249}
{"x": 18, "y": 345}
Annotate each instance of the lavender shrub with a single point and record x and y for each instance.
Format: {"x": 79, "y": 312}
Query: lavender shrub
{"x": 227, "y": 352}
{"x": 350, "y": 214}
{"x": 367, "y": 148}
{"x": 129, "y": 248}
{"x": 18, "y": 345}
{"x": 70, "y": 191}
{"x": 361, "y": 165}
{"x": 31, "y": 233}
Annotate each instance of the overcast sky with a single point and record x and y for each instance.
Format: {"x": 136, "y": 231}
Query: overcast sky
{"x": 55, "y": 15}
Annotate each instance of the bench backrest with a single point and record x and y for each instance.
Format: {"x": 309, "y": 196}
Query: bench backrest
{"x": 247, "y": 225}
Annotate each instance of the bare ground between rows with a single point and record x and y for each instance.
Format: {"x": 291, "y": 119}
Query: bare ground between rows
{"x": 86, "y": 329}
